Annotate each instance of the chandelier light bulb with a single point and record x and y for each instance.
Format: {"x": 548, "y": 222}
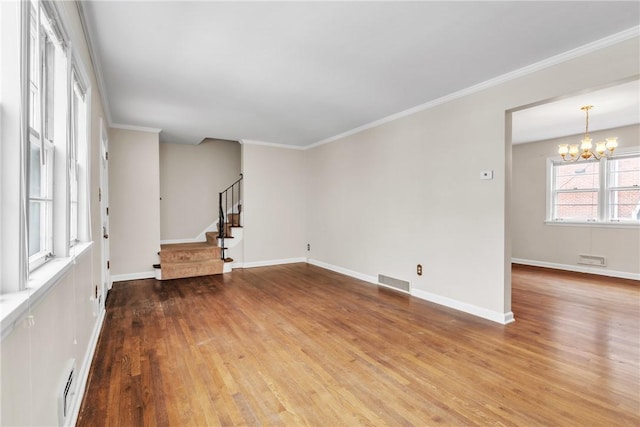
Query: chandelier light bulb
{"x": 573, "y": 150}
{"x": 563, "y": 149}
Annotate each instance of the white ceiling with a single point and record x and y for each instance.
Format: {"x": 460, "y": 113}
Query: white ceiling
{"x": 613, "y": 106}
{"x": 301, "y": 72}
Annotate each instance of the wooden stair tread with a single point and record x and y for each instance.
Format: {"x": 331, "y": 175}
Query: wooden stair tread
{"x": 183, "y": 269}
{"x": 189, "y": 261}
{"x": 185, "y": 246}
{"x": 190, "y": 252}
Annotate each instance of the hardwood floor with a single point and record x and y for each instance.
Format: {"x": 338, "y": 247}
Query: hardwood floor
{"x": 300, "y": 345}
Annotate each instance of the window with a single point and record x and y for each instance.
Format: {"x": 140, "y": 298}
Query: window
{"x": 57, "y": 139}
{"x": 47, "y": 193}
{"x": 605, "y": 191}
{"x": 76, "y": 144}
{"x": 623, "y": 196}
{"x": 46, "y": 86}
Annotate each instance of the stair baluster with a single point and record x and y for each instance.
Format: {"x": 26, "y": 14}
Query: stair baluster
{"x": 225, "y": 216}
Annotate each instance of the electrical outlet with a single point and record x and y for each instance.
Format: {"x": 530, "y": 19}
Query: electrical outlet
{"x": 486, "y": 174}
{"x": 96, "y": 292}
{"x": 308, "y": 246}
{"x": 419, "y": 269}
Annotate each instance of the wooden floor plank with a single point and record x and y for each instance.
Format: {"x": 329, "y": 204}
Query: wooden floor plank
{"x": 300, "y": 345}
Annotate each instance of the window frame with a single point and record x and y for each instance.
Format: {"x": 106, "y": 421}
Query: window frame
{"x": 604, "y": 189}
{"x": 76, "y": 151}
{"x": 45, "y": 200}
{"x": 43, "y": 42}
{"x": 612, "y": 188}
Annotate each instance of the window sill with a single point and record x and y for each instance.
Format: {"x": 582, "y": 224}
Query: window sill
{"x": 594, "y": 224}
{"x": 14, "y": 306}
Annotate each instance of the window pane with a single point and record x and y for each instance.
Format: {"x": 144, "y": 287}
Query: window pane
{"x": 577, "y": 176}
{"x": 73, "y": 204}
{"x": 34, "y": 109}
{"x": 578, "y": 205}
{"x": 35, "y": 215}
{"x": 77, "y": 125}
{"x": 35, "y": 172}
{"x": 34, "y": 105}
{"x": 73, "y": 219}
{"x": 624, "y": 172}
{"x": 40, "y": 223}
{"x": 33, "y": 47}
{"x": 49, "y": 85}
{"x": 624, "y": 204}
{"x": 73, "y": 185}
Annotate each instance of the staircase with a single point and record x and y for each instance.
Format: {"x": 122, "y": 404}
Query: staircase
{"x": 180, "y": 260}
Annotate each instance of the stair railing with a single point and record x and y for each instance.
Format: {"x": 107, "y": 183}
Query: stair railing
{"x": 232, "y": 192}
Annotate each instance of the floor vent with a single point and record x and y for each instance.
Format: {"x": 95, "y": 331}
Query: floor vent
{"x": 597, "y": 261}
{"x": 401, "y": 285}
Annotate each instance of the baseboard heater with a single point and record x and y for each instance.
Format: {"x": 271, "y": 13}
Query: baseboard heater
{"x": 67, "y": 391}
{"x": 392, "y": 282}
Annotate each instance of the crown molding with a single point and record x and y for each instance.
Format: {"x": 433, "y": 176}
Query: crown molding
{"x": 529, "y": 69}
{"x": 271, "y": 144}
{"x": 134, "y": 128}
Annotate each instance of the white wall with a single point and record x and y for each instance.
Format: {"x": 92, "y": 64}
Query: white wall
{"x": 536, "y": 243}
{"x": 408, "y": 191}
{"x": 191, "y": 177}
{"x": 274, "y": 199}
{"x": 34, "y": 359}
{"x": 134, "y": 198}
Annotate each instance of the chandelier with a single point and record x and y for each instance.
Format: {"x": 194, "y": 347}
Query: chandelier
{"x": 603, "y": 148}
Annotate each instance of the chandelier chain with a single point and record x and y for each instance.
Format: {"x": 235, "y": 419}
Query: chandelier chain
{"x": 586, "y": 109}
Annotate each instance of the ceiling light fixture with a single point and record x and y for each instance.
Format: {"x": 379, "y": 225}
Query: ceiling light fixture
{"x": 603, "y": 148}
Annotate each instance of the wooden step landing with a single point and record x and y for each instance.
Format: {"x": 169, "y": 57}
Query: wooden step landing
{"x": 185, "y": 269}
{"x": 181, "y": 260}
{"x": 188, "y": 252}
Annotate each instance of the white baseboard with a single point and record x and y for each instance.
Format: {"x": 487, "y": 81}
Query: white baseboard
{"x": 495, "y": 316}
{"x": 133, "y": 276}
{"x": 85, "y": 368}
{"x": 268, "y": 262}
{"x": 344, "y": 271}
{"x": 502, "y": 318}
{"x": 601, "y": 271}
